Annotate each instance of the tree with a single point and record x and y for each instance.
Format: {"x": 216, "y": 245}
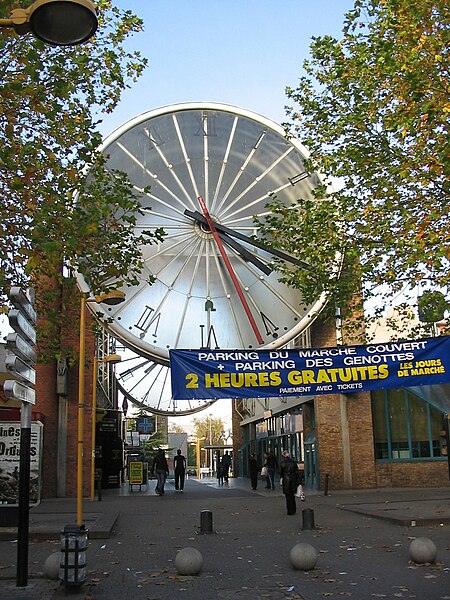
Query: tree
{"x": 176, "y": 428}
{"x": 211, "y": 429}
{"x": 60, "y": 204}
{"x": 373, "y": 109}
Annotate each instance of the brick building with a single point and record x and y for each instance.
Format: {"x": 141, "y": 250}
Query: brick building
{"x": 387, "y": 438}
{"x": 343, "y": 440}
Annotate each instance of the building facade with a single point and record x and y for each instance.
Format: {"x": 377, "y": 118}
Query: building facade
{"x": 387, "y": 438}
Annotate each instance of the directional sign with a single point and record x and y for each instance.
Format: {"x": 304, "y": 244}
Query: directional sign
{"x": 21, "y": 302}
{"x": 18, "y": 346}
{"x": 14, "y": 390}
{"x": 19, "y": 367}
{"x": 19, "y": 323}
{"x": 22, "y": 361}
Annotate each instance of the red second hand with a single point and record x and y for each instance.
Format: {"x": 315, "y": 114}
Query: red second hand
{"x": 230, "y": 270}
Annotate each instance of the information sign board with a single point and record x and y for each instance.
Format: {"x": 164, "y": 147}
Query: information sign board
{"x": 136, "y": 473}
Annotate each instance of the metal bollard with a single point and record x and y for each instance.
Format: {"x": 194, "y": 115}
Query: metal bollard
{"x": 308, "y": 518}
{"x": 327, "y": 481}
{"x": 206, "y": 521}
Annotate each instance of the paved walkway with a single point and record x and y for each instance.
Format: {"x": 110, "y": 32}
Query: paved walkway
{"x": 362, "y": 539}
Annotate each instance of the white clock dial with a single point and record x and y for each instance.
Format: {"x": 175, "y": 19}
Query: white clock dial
{"x": 210, "y": 169}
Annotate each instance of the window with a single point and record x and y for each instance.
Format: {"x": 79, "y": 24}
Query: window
{"x": 406, "y": 427}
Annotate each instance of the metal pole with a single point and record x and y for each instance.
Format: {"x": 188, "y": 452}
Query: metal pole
{"x": 447, "y": 438}
{"x": 82, "y": 358}
{"x": 197, "y": 448}
{"x": 93, "y": 423}
{"x": 24, "y": 496}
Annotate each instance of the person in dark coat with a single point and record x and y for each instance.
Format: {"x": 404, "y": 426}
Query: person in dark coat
{"x": 226, "y": 464}
{"x": 179, "y": 468}
{"x": 219, "y": 471}
{"x": 290, "y": 476}
{"x": 161, "y": 470}
{"x": 253, "y": 470}
{"x": 270, "y": 462}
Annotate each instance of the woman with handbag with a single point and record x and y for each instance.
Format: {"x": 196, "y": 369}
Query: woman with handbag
{"x": 290, "y": 476}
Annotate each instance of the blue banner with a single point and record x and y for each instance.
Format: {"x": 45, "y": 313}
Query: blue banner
{"x": 210, "y": 374}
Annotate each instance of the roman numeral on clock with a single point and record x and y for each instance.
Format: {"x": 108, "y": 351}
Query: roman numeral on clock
{"x": 147, "y": 320}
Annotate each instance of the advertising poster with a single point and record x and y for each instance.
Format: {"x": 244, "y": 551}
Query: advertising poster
{"x": 210, "y": 374}
{"x": 10, "y": 462}
{"x": 136, "y": 473}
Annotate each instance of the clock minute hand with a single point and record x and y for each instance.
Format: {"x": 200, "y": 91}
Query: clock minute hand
{"x": 257, "y": 243}
{"x": 230, "y": 269}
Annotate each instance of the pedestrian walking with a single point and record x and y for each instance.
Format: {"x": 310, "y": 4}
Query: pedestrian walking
{"x": 290, "y": 480}
{"x": 271, "y": 464}
{"x": 179, "y": 468}
{"x": 160, "y": 468}
{"x": 226, "y": 464}
{"x": 219, "y": 469}
{"x": 253, "y": 470}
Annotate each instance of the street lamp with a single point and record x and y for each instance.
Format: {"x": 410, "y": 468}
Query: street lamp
{"x": 110, "y": 298}
{"x": 55, "y": 22}
{"x": 110, "y": 359}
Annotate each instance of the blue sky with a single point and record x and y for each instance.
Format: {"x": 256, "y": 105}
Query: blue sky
{"x": 239, "y": 52}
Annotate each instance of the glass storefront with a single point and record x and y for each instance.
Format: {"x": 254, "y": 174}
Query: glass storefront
{"x": 406, "y": 427}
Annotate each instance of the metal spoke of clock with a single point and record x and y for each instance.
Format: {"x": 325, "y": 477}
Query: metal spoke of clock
{"x": 166, "y": 296}
{"x": 266, "y": 284}
{"x": 163, "y": 387}
{"x": 187, "y": 160}
{"x": 255, "y": 182}
{"x": 154, "y": 374}
{"x": 124, "y": 375}
{"x": 188, "y": 295}
{"x": 166, "y": 251}
{"x": 205, "y": 159}
{"x": 172, "y": 171}
{"x": 237, "y": 177}
{"x": 214, "y": 209}
{"x": 269, "y": 287}
{"x": 170, "y": 206}
{"x": 142, "y": 290}
{"x": 152, "y": 176}
{"x": 220, "y": 271}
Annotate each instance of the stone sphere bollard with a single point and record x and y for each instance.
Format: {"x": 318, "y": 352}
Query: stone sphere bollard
{"x": 51, "y": 566}
{"x": 188, "y": 561}
{"x": 303, "y": 557}
{"x": 423, "y": 550}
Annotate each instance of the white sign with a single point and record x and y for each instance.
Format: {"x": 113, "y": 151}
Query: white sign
{"x": 18, "y": 391}
{"x": 10, "y": 462}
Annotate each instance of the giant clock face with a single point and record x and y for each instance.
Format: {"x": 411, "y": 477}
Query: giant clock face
{"x": 210, "y": 168}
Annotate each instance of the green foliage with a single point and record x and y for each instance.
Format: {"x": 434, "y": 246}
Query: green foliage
{"x": 151, "y": 447}
{"x": 373, "y": 109}
{"x": 211, "y": 429}
{"x": 60, "y": 204}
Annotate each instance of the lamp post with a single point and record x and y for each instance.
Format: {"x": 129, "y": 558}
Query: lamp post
{"x": 110, "y": 359}
{"x": 111, "y": 298}
{"x": 55, "y": 22}
{"x": 211, "y": 465}
{"x": 197, "y": 453}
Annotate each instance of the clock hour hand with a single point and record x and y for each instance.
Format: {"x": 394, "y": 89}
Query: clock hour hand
{"x": 257, "y": 243}
{"x": 246, "y": 254}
